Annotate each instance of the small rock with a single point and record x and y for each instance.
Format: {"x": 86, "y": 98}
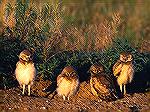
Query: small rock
{"x": 134, "y": 108}
{"x": 25, "y": 109}
{"x": 110, "y": 103}
{"x": 99, "y": 100}
{"x": 43, "y": 108}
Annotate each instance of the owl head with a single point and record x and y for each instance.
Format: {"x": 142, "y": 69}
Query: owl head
{"x": 25, "y": 56}
{"x": 126, "y": 57}
{"x": 69, "y": 71}
{"x": 96, "y": 69}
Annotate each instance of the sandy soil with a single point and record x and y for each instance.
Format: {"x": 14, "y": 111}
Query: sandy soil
{"x": 40, "y": 100}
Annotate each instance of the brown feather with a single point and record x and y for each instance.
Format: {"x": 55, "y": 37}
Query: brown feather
{"x": 102, "y": 85}
{"x": 126, "y": 74}
{"x": 25, "y": 70}
{"x": 117, "y": 68}
{"x": 123, "y": 68}
{"x": 67, "y": 82}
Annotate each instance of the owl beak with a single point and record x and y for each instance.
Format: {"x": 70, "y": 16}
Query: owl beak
{"x": 98, "y": 72}
{"x": 125, "y": 60}
{"x": 28, "y": 58}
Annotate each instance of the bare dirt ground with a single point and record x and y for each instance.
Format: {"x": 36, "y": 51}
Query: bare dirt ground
{"x": 11, "y": 100}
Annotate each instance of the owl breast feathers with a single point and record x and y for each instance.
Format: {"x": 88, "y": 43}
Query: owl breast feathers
{"x": 25, "y": 70}
{"x": 25, "y": 73}
{"x": 67, "y": 82}
{"x": 126, "y": 74}
{"x": 124, "y": 70}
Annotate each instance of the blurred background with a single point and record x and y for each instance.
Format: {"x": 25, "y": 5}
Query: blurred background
{"x": 73, "y": 32}
{"x": 135, "y": 14}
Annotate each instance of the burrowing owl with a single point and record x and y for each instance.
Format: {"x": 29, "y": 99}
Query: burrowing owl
{"x": 67, "y": 82}
{"x": 101, "y": 83}
{"x": 25, "y": 70}
{"x": 123, "y": 70}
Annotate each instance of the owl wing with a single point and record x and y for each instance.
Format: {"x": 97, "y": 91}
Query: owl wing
{"x": 74, "y": 86}
{"x": 117, "y": 68}
{"x": 96, "y": 85}
{"x": 17, "y": 64}
{"x": 130, "y": 73}
{"x": 104, "y": 88}
{"x": 60, "y": 78}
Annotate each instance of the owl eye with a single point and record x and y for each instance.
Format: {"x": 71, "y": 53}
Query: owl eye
{"x": 130, "y": 58}
{"x": 121, "y": 56}
{"x": 73, "y": 73}
{"x": 27, "y": 56}
{"x": 67, "y": 74}
{"x": 93, "y": 71}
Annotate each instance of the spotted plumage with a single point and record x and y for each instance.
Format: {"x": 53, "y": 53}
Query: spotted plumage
{"x": 101, "y": 83}
{"x": 67, "y": 82}
{"x": 25, "y": 70}
{"x": 124, "y": 71}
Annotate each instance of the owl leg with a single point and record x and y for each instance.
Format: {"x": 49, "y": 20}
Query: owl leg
{"x": 64, "y": 97}
{"x": 29, "y": 90}
{"x": 20, "y": 86}
{"x": 124, "y": 89}
{"x": 93, "y": 91}
{"x": 68, "y": 97}
{"x": 23, "y": 89}
{"x": 121, "y": 88}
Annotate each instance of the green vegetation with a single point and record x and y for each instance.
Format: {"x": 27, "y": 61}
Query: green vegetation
{"x": 63, "y": 33}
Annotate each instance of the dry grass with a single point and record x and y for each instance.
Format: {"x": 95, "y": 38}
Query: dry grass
{"x": 145, "y": 46}
{"x": 93, "y": 37}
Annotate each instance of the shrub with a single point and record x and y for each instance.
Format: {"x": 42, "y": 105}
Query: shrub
{"x": 55, "y": 44}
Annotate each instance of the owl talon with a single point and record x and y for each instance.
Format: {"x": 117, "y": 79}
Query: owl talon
{"x": 25, "y": 70}
{"x": 67, "y": 82}
{"x": 125, "y": 70}
{"x": 64, "y": 97}
{"x": 68, "y": 98}
{"x": 101, "y": 84}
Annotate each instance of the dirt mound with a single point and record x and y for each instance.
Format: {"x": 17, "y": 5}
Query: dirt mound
{"x": 39, "y": 86}
{"x": 42, "y": 99}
